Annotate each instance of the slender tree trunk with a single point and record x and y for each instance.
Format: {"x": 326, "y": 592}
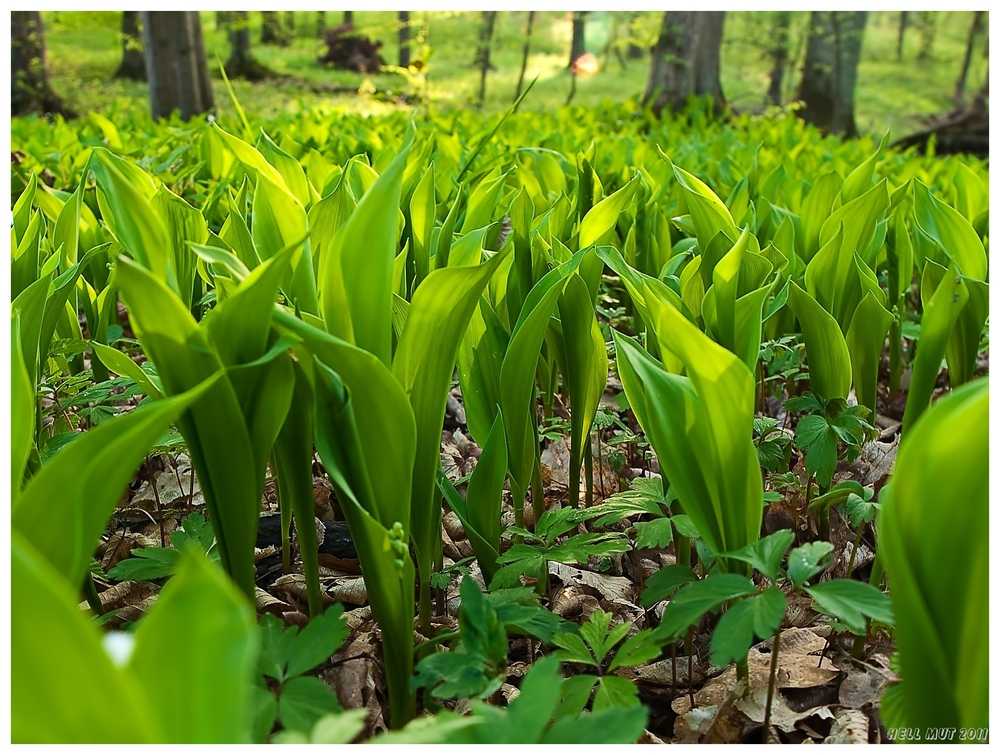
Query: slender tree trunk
{"x": 31, "y": 90}
{"x": 634, "y": 51}
{"x": 133, "y": 65}
{"x": 270, "y": 31}
{"x": 348, "y": 17}
{"x": 928, "y": 30}
{"x": 483, "y": 53}
{"x": 830, "y": 70}
{"x": 904, "y": 18}
{"x": 612, "y": 46}
{"x": 977, "y": 26}
{"x": 290, "y": 22}
{"x": 222, "y": 19}
{"x": 685, "y": 60}
{"x": 175, "y": 62}
{"x": 779, "y": 55}
{"x": 578, "y": 46}
{"x": 321, "y": 24}
{"x": 404, "y": 39}
{"x": 707, "y": 68}
{"x": 241, "y": 63}
{"x": 524, "y": 56}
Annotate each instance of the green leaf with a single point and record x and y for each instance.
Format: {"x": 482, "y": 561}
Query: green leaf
{"x": 423, "y": 366}
{"x": 355, "y": 271}
{"x": 766, "y": 554}
{"x": 303, "y": 701}
{"x": 696, "y": 599}
{"x": 59, "y": 660}
{"x": 615, "y": 693}
{"x": 207, "y": 689}
{"x": 808, "y": 560}
{"x": 850, "y": 602}
{"x": 611, "y": 726}
{"x": 641, "y": 647}
{"x": 865, "y": 339}
{"x": 666, "y": 582}
{"x": 955, "y": 235}
{"x": 146, "y": 564}
{"x": 573, "y": 649}
{"x": 829, "y": 360}
{"x": 941, "y": 312}
{"x": 941, "y": 606}
{"x": 658, "y": 533}
{"x": 317, "y": 641}
{"x": 758, "y": 615}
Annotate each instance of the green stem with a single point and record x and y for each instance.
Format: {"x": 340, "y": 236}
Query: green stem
{"x": 90, "y": 593}
{"x": 682, "y": 548}
{"x": 588, "y": 462}
{"x": 877, "y": 571}
{"x": 538, "y": 491}
{"x": 895, "y": 356}
{"x": 854, "y": 552}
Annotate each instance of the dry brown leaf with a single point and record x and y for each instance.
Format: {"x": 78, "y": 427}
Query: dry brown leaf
{"x": 346, "y": 590}
{"x": 613, "y": 589}
{"x": 850, "y": 727}
{"x": 120, "y": 546}
{"x": 662, "y": 674}
{"x": 293, "y": 586}
{"x": 862, "y": 686}
{"x": 267, "y": 603}
{"x": 358, "y": 618}
{"x": 453, "y": 526}
{"x": 123, "y": 594}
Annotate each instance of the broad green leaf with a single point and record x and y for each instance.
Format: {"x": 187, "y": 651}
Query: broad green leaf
{"x": 865, "y": 339}
{"x": 423, "y": 365}
{"x": 698, "y": 598}
{"x": 808, "y": 560}
{"x": 615, "y": 693}
{"x": 829, "y": 359}
{"x": 766, "y": 554}
{"x": 952, "y": 232}
{"x": 603, "y": 216}
{"x": 59, "y": 662}
{"x": 184, "y": 225}
{"x": 756, "y": 616}
{"x": 383, "y": 552}
{"x": 709, "y": 213}
{"x": 850, "y": 602}
{"x": 941, "y": 312}
{"x": 126, "y": 195}
{"x": 304, "y": 700}
{"x": 942, "y": 607}
{"x": 816, "y": 208}
{"x": 962, "y": 351}
{"x": 355, "y": 271}
{"x": 208, "y": 688}
{"x": 586, "y": 366}
{"x": 292, "y": 175}
{"x": 22, "y": 413}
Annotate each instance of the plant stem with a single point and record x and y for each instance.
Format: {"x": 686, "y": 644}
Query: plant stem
{"x": 156, "y": 499}
{"x": 689, "y": 649}
{"x": 860, "y": 641}
{"x": 877, "y": 571}
{"x": 772, "y": 677}
{"x": 537, "y": 492}
{"x": 588, "y": 465}
{"x": 90, "y": 593}
{"x": 895, "y": 356}
{"x": 743, "y": 669}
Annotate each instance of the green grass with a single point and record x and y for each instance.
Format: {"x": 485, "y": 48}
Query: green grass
{"x": 84, "y": 51}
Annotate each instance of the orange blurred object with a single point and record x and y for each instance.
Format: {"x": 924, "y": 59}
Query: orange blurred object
{"x": 586, "y": 65}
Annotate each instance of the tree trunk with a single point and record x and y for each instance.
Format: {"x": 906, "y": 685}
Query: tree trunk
{"x": 241, "y": 63}
{"x": 270, "y": 31}
{"x": 904, "y": 17}
{"x": 977, "y": 26}
{"x": 928, "y": 29}
{"x": 579, "y": 45}
{"x": 779, "y": 56}
{"x": 527, "y": 51}
{"x": 175, "y": 62}
{"x": 290, "y": 22}
{"x": 321, "y": 24}
{"x": 685, "y": 60}
{"x": 404, "y": 39}
{"x": 483, "y": 53}
{"x": 634, "y": 51}
{"x": 348, "y": 17}
{"x": 831, "y": 69}
{"x": 222, "y": 19}
{"x": 707, "y": 78}
{"x": 30, "y": 90}
{"x": 133, "y": 64}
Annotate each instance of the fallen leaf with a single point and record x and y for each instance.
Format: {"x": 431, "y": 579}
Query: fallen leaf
{"x": 850, "y": 727}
